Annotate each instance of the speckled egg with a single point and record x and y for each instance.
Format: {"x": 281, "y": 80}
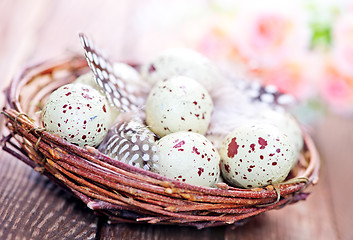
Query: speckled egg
{"x": 88, "y": 79}
{"x": 256, "y": 155}
{"x": 134, "y": 82}
{"x": 78, "y": 113}
{"x": 287, "y": 123}
{"x": 181, "y": 61}
{"x": 188, "y": 157}
{"x": 126, "y": 72}
{"x": 178, "y": 104}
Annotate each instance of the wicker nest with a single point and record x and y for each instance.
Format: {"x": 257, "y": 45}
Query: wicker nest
{"x": 122, "y": 192}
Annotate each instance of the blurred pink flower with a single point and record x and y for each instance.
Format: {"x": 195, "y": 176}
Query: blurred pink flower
{"x": 216, "y": 45}
{"x": 212, "y": 43}
{"x": 265, "y": 33}
{"x": 342, "y": 48}
{"x": 296, "y": 76}
{"x": 337, "y": 91}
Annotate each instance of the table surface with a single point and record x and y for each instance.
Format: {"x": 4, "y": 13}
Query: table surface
{"x": 31, "y": 207}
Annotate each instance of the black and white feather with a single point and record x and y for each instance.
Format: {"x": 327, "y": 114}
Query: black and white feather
{"x": 268, "y": 94}
{"x": 131, "y": 142}
{"x": 108, "y": 78}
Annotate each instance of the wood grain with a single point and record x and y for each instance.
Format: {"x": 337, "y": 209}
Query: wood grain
{"x": 150, "y": 232}
{"x": 310, "y": 219}
{"x": 34, "y": 208}
{"x": 334, "y": 138}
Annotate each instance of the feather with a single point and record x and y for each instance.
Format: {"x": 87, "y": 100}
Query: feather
{"x": 130, "y": 141}
{"x": 238, "y": 102}
{"x": 108, "y": 78}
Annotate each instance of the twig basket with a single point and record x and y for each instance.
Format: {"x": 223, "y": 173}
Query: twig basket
{"x": 122, "y": 192}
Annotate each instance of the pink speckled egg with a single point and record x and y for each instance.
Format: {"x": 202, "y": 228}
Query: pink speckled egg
{"x": 178, "y": 104}
{"x": 78, "y": 113}
{"x": 257, "y": 155}
{"x": 188, "y": 157}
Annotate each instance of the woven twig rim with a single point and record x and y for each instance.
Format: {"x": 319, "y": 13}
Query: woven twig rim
{"x": 125, "y": 193}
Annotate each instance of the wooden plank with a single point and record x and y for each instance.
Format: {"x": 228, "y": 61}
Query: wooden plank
{"x": 334, "y": 139}
{"x": 309, "y": 219}
{"x": 149, "y": 232}
{"x": 32, "y": 207}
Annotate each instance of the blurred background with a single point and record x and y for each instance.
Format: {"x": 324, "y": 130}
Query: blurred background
{"x": 304, "y": 47}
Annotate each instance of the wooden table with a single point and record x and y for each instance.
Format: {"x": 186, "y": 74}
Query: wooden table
{"x": 31, "y": 207}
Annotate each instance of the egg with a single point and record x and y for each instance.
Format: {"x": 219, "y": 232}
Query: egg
{"x": 78, "y": 113}
{"x": 135, "y": 85}
{"x": 126, "y": 72}
{"x": 287, "y": 123}
{"x": 188, "y": 157}
{"x": 88, "y": 79}
{"x": 181, "y": 61}
{"x": 256, "y": 155}
{"x": 178, "y": 104}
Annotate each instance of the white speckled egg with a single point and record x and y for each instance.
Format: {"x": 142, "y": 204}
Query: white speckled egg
{"x": 134, "y": 83}
{"x": 287, "y": 123}
{"x": 181, "y": 61}
{"x": 126, "y": 72}
{"x": 256, "y": 155}
{"x": 178, "y": 104}
{"x": 188, "y": 157}
{"x": 88, "y": 79}
{"x": 78, "y": 113}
